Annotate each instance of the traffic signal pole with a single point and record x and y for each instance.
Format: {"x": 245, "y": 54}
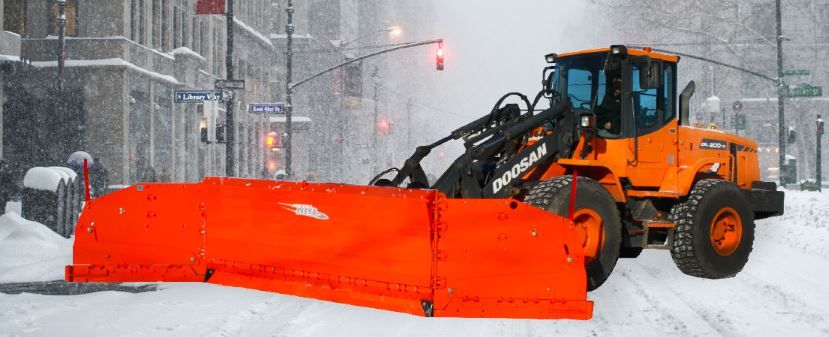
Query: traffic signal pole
{"x": 230, "y": 128}
{"x": 289, "y": 30}
{"x": 781, "y": 86}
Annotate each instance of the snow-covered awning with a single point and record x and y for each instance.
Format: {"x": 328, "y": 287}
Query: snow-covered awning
{"x": 294, "y": 119}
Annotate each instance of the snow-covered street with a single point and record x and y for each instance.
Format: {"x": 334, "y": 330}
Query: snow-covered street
{"x": 782, "y": 291}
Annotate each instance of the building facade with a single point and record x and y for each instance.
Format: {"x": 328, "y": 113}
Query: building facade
{"x": 126, "y": 59}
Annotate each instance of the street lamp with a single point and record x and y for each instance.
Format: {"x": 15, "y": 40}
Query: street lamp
{"x": 62, "y": 41}
{"x": 393, "y": 31}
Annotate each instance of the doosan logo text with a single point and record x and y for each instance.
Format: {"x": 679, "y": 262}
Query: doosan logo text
{"x": 520, "y": 168}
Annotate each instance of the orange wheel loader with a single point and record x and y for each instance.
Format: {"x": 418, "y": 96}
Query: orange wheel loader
{"x": 534, "y": 214}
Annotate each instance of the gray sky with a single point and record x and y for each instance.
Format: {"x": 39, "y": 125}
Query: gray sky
{"x": 494, "y": 47}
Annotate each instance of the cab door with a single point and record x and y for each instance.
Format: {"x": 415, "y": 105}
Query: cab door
{"x": 651, "y": 117}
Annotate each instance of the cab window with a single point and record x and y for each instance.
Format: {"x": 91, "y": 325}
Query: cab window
{"x": 653, "y": 107}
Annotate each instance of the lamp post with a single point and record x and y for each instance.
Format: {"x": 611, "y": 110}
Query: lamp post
{"x": 289, "y": 109}
{"x": 61, "y": 42}
{"x": 230, "y": 128}
{"x": 819, "y": 168}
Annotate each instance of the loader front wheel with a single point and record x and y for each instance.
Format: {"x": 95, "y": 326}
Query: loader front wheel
{"x": 714, "y": 230}
{"x": 596, "y": 217}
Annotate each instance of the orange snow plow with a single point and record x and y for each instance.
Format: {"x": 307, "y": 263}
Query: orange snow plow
{"x": 407, "y": 250}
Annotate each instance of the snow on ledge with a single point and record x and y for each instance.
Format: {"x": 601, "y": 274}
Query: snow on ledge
{"x": 188, "y": 52}
{"x": 114, "y": 62}
{"x": 253, "y": 32}
{"x": 13, "y": 58}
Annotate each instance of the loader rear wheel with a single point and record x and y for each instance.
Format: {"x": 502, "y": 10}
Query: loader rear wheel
{"x": 714, "y": 230}
{"x": 596, "y": 216}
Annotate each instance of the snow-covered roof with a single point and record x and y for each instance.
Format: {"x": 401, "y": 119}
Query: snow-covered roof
{"x": 47, "y": 178}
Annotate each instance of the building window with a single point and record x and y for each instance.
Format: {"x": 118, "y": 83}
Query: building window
{"x": 137, "y": 21}
{"x": 14, "y": 14}
{"x": 823, "y": 31}
{"x": 156, "y": 25}
{"x": 165, "y": 25}
{"x": 71, "y": 18}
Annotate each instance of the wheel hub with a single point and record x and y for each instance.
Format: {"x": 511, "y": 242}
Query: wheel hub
{"x": 589, "y": 225}
{"x": 726, "y": 231}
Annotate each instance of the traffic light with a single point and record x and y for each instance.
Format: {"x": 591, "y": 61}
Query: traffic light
{"x": 440, "y": 57}
{"x": 384, "y": 126}
{"x": 272, "y": 141}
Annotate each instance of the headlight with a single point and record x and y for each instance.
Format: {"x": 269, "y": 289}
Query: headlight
{"x": 551, "y": 58}
{"x": 588, "y": 121}
{"x": 619, "y": 50}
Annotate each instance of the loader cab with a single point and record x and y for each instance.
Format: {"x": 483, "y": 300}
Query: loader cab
{"x": 631, "y": 96}
{"x": 615, "y": 88}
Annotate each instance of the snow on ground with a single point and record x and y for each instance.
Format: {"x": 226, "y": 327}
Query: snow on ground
{"x": 14, "y": 206}
{"x": 782, "y": 291}
{"x": 31, "y": 252}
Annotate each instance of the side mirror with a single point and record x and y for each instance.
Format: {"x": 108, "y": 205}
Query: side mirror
{"x": 650, "y": 77}
{"x": 547, "y": 78}
{"x": 684, "y": 103}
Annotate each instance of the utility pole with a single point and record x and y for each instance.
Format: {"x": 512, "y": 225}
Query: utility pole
{"x": 289, "y": 109}
{"x": 781, "y": 86}
{"x": 409, "y": 107}
{"x": 61, "y": 42}
{"x": 230, "y": 128}
{"x": 375, "y": 76}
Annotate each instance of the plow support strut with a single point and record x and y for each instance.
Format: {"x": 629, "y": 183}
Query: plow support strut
{"x": 411, "y": 251}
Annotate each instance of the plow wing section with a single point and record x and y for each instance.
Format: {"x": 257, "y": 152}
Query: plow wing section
{"x": 411, "y": 251}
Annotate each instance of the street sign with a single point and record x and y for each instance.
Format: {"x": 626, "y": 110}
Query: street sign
{"x": 796, "y": 72}
{"x": 207, "y": 7}
{"x": 267, "y": 108}
{"x": 740, "y": 122}
{"x": 197, "y": 96}
{"x": 805, "y": 90}
{"x": 737, "y": 106}
{"x": 230, "y": 84}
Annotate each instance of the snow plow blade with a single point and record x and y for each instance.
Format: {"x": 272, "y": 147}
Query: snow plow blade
{"x": 405, "y": 250}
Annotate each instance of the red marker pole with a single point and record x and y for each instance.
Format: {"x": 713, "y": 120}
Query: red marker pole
{"x": 86, "y": 178}
{"x": 573, "y": 196}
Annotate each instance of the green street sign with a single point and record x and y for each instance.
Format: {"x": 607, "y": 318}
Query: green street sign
{"x": 796, "y": 72}
{"x": 805, "y": 90}
{"x": 740, "y": 122}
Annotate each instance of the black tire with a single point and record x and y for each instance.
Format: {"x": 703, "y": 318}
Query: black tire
{"x": 693, "y": 250}
{"x": 554, "y": 196}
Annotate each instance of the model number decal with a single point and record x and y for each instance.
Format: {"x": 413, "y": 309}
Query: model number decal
{"x": 712, "y": 144}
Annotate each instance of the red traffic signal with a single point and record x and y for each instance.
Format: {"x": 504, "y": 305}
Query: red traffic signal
{"x": 383, "y": 126}
{"x": 440, "y": 57}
